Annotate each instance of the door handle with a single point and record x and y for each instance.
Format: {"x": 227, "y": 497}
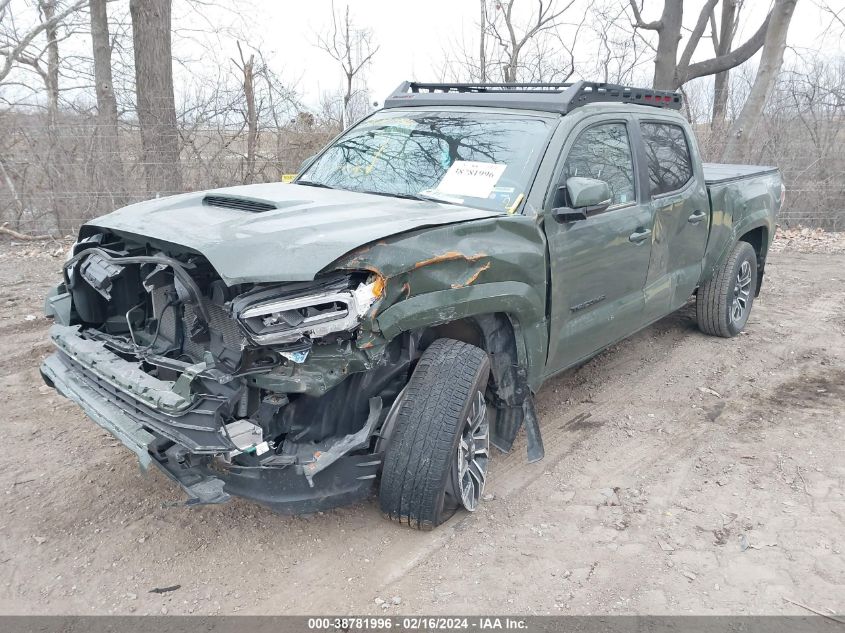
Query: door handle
{"x": 639, "y": 236}
{"x": 696, "y": 217}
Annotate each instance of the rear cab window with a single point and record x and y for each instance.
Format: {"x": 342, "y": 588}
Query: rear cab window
{"x": 668, "y": 155}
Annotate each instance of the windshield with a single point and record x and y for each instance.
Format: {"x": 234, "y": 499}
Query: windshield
{"x": 481, "y": 159}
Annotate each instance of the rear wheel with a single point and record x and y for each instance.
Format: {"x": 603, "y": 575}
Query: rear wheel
{"x": 439, "y": 449}
{"x": 724, "y": 302}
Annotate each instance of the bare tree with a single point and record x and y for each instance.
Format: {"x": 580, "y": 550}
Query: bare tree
{"x": 837, "y": 15}
{"x": 23, "y": 51}
{"x": 482, "y": 42}
{"x": 513, "y": 38}
{"x": 154, "y": 89}
{"x": 247, "y": 68}
{"x": 353, "y": 49}
{"x": 517, "y": 44}
{"x": 767, "y": 75}
{"x": 723, "y": 37}
{"x": 672, "y": 71}
{"x": 619, "y": 52}
{"x": 15, "y": 45}
{"x": 47, "y": 9}
{"x": 24, "y": 48}
{"x": 108, "y": 141}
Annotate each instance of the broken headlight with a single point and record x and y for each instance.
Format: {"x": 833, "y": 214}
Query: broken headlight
{"x": 285, "y": 318}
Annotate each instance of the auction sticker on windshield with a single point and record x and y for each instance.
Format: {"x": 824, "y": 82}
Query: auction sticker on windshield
{"x": 471, "y": 178}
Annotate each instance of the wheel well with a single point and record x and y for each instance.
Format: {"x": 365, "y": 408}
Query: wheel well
{"x": 508, "y": 390}
{"x": 759, "y": 239}
{"x": 466, "y": 330}
{"x": 494, "y": 333}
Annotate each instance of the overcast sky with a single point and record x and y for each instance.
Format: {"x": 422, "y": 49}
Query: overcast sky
{"x": 412, "y": 36}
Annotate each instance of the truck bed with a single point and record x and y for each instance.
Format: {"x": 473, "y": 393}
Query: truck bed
{"x": 717, "y": 173}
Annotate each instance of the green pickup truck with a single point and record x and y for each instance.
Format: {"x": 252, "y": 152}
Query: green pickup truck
{"x": 377, "y": 324}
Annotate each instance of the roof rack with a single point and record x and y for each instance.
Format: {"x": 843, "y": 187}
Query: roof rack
{"x": 550, "y": 97}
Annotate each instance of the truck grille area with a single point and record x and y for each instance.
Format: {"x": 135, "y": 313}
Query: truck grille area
{"x": 166, "y": 310}
{"x": 219, "y": 321}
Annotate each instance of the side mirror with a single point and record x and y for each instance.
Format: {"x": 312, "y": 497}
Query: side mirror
{"x": 587, "y": 196}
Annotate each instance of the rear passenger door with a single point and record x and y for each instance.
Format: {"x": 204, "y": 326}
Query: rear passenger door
{"x": 681, "y": 212}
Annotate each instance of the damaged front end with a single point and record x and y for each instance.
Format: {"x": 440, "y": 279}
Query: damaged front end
{"x": 255, "y": 390}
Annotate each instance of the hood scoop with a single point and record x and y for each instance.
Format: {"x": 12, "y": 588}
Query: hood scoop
{"x": 241, "y": 204}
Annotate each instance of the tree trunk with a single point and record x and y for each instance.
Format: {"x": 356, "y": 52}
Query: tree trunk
{"x": 19, "y": 205}
{"x": 345, "y": 118}
{"x": 482, "y": 53}
{"x": 251, "y": 118}
{"x": 349, "y": 69}
{"x": 108, "y": 143}
{"x": 721, "y": 86}
{"x": 723, "y": 47}
{"x": 51, "y": 79}
{"x": 669, "y": 36}
{"x": 154, "y": 89}
{"x": 743, "y": 130}
{"x": 51, "y": 85}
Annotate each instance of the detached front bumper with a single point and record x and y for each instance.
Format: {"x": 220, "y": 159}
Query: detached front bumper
{"x": 195, "y": 432}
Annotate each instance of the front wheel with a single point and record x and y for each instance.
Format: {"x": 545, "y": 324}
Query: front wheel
{"x": 724, "y": 302}
{"x": 439, "y": 449}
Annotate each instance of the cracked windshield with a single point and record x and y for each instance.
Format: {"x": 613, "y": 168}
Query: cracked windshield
{"x": 483, "y": 160}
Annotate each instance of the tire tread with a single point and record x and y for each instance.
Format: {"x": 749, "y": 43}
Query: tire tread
{"x": 711, "y": 303}
{"x": 419, "y": 456}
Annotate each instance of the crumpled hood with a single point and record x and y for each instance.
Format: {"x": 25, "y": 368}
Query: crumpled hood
{"x": 309, "y": 229}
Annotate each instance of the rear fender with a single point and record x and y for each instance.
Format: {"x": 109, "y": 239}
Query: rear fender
{"x": 737, "y": 212}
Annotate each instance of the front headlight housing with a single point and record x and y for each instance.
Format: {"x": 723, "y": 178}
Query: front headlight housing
{"x": 287, "y": 319}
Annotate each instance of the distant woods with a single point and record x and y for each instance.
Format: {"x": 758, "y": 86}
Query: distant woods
{"x": 104, "y": 103}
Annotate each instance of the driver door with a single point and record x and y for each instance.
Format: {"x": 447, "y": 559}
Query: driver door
{"x": 599, "y": 264}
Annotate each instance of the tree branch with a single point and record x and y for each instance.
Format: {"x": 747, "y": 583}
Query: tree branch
{"x": 695, "y": 36}
{"x": 730, "y": 60}
{"x": 13, "y": 53}
{"x": 714, "y": 32}
{"x": 638, "y": 19}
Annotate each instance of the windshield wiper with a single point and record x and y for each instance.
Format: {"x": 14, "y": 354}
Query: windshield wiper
{"x": 413, "y": 196}
{"x": 311, "y": 183}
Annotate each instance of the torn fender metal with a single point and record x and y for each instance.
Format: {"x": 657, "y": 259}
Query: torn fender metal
{"x": 490, "y": 265}
{"x": 508, "y": 423}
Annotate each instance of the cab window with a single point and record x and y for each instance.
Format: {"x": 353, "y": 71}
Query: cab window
{"x": 603, "y": 152}
{"x": 668, "y": 155}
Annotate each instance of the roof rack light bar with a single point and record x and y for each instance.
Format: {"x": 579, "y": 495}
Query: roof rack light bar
{"x": 553, "y": 97}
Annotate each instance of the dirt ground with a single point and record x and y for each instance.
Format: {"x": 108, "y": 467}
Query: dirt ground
{"x": 683, "y": 474}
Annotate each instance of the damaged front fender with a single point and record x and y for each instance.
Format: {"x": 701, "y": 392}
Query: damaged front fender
{"x": 491, "y": 266}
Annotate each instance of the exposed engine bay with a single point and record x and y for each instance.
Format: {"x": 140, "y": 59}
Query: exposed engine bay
{"x": 260, "y": 382}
